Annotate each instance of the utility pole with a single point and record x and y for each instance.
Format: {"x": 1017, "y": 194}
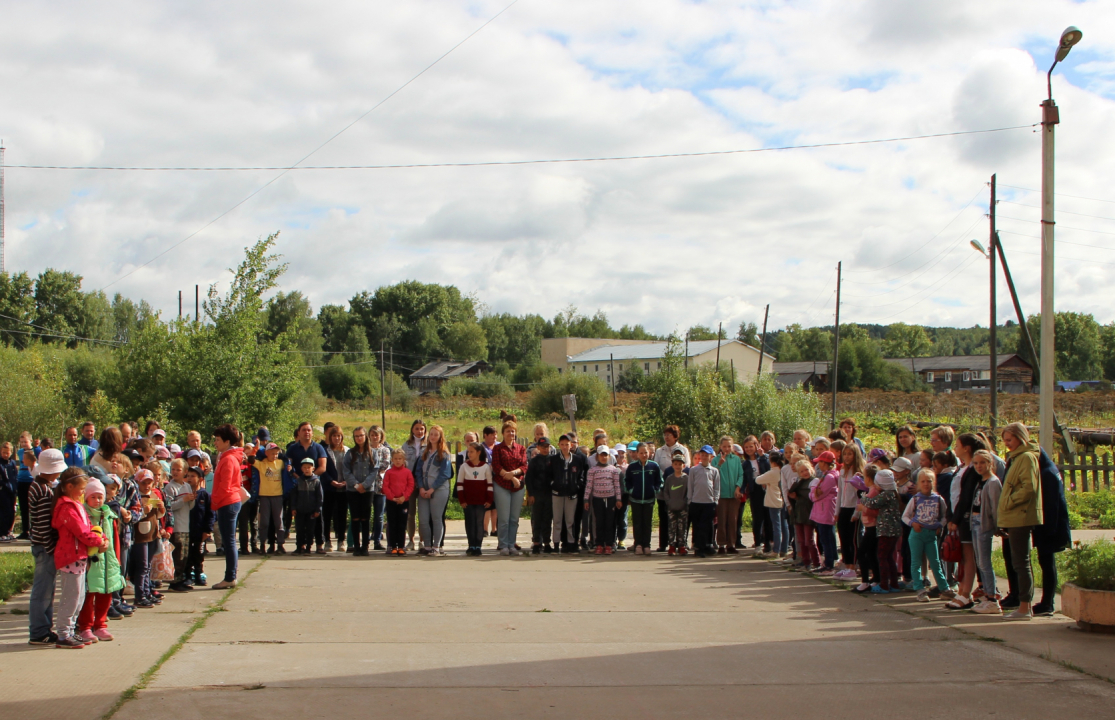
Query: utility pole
{"x": 836, "y": 346}
{"x": 3, "y": 262}
{"x": 612, "y": 375}
{"x": 993, "y": 340}
{"x": 179, "y": 304}
{"x": 382, "y": 403}
{"x": 197, "y": 304}
{"x": 686, "y": 349}
{"x": 719, "y": 334}
{"x": 763, "y": 342}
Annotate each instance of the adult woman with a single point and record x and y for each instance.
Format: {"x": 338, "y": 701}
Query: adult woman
{"x": 226, "y": 494}
{"x": 540, "y": 431}
{"x": 906, "y": 445}
{"x": 509, "y": 465}
{"x": 964, "y": 483}
{"x": 361, "y": 473}
{"x": 1020, "y": 509}
{"x": 334, "y": 508}
{"x": 434, "y": 470}
{"x": 413, "y": 448}
{"x": 754, "y": 464}
{"x": 848, "y": 429}
{"x": 110, "y": 445}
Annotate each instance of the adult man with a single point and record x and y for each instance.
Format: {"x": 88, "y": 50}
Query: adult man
{"x": 303, "y": 447}
{"x": 75, "y": 454}
{"x": 663, "y": 456}
{"x": 568, "y": 472}
{"x": 193, "y": 442}
{"x": 126, "y": 433}
{"x": 704, "y": 495}
{"x": 88, "y": 435}
{"x": 539, "y": 496}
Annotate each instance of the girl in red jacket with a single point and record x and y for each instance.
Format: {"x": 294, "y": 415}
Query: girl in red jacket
{"x": 398, "y": 486}
{"x": 71, "y": 557}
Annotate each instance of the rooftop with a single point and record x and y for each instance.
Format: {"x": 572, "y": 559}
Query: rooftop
{"x": 647, "y": 351}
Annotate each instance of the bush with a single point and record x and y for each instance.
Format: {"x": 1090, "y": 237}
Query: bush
{"x": 1076, "y": 520}
{"x": 1107, "y": 521}
{"x": 1092, "y": 565}
{"x": 760, "y": 406}
{"x": 347, "y": 382}
{"x": 590, "y": 390}
{"x": 33, "y": 399}
{"x": 631, "y": 379}
{"x": 1091, "y": 505}
{"x": 486, "y": 386}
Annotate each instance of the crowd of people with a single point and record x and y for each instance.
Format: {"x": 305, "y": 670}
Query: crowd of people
{"x": 115, "y": 518}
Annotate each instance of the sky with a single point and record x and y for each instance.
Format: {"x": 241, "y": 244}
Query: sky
{"x": 667, "y": 243}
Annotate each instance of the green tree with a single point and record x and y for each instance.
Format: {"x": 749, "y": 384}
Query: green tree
{"x": 128, "y": 316}
{"x": 1107, "y": 342}
{"x": 701, "y": 332}
{"x": 414, "y": 318}
{"x": 907, "y": 341}
{"x": 631, "y": 379}
{"x": 59, "y": 303}
{"x": 289, "y": 319}
{"x": 749, "y": 334}
{"x": 35, "y": 399}
{"x": 1078, "y": 345}
{"x": 798, "y": 344}
{"x": 17, "y": 309}
{"x": 465, "y": 341}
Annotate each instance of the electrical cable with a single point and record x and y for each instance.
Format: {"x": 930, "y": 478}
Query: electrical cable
{"x": 51, "y": 330}
{"x": 489, "y": 163}
{"x": 1077, "y": 197}
{"x": 64, "y": 337}
{"x": 1066, "y": 212}
{"x": 1058, "y": 241}
{"x": 915, "y": 252}
{"x": 920, "y": 296}
{"x": 1059, "y": 226}
{"x": 312, "y": 152}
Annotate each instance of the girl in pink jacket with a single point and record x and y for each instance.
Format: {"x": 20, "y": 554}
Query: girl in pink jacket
{"x": 71, "y": 557}
{"x": 823, "y": 514}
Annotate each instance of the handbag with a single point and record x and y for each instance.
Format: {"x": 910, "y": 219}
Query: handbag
{"x": 162, "y": 565}
{"x": 951, "y": 549}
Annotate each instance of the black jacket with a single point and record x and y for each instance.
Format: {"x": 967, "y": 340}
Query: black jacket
{"x": 754, "y": 490}
{"x": 571, "y": 482}
{"x": 1054, "y": 534}
{"x": 201, "y": 516}
{"x": 308, "y": 496}
{"x": 538, "y": 476}
{"x": 962, "y": 513}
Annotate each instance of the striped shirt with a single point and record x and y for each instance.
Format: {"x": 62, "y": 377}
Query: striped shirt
{"x": 603, "y": 482}
{"x": 40, "y": 498}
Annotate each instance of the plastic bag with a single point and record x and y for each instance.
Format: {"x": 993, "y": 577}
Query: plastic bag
{"x": 162, "y": 565}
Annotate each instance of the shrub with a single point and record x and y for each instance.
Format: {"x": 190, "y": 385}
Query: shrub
{"x": 347, "y": 382}
{"x": 590, "y": 390}
{"x": 631, "y": 379}
{"x": 487, "y": 386}
{"x": 1092, "y": 505}
{"x": 760, "y": 406}
{"x": 1107, "y": 521}
{"x": 34, "y": 392}
{"x": 1092, "y": 565}
{"x": 1076, "y": 520}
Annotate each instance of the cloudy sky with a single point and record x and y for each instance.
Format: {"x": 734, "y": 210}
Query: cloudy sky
{"x": 663, "y": 242}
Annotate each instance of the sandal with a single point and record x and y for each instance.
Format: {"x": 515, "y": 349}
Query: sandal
{"x": 959, "y": 603}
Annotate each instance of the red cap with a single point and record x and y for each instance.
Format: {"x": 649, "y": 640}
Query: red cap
{"x": 827, "y": 457}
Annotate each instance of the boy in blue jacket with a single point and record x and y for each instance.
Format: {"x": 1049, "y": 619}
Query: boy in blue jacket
{"x": 643, "y": 480}
{"x": 201, "y": 527}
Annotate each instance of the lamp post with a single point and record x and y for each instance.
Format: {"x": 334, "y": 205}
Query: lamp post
{"x": 1050, "y": 117}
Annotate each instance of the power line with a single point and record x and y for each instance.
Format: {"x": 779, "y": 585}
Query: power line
{"x": 489, "y": 163}
{"x": 1077, "y": 197}
{"x": 1066, "y": 212}
{"x": 52, "y": 330}
{"x": 915, "y": 252}
{"x": 65, "y": 337}
{"x": 1058, "y": 241}
{"x": 921, "y": 296}
{"x": 1059, "y": 226}
{"x": 333, "y": 137}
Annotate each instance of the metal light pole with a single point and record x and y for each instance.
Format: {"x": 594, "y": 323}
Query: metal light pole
{"x": 1050, "y": 117}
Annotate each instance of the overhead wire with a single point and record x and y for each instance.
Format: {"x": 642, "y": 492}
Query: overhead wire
{"x": 1059, "y": 226}
{"x": 331, "y": 138}
{"x": 1076, "y": 197}
{"x": 53, "y": 330}
{"x": 1058, "y": 241}
{"x": 1059, "y": 211}
{"x": 921, "y": 295}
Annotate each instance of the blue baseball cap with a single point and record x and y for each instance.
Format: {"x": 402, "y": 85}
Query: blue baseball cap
{"x": 707, "y": 449}
{"x": 633, "y": 446}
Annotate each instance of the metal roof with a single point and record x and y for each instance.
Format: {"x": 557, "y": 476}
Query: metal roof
{"x": 446, "y": 369}
{"x": 820, "y": 367}
{"x": 646, "y": 351}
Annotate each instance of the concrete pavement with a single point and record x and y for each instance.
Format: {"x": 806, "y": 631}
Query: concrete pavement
{"x": 558, "y": 637}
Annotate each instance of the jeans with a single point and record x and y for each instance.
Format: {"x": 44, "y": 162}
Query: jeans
{"x": 779, "y": 530}
{"x": 981, "y": 544}
{"x": 642, "y": 517}
{"x": 1019, "y": 539}
{"x": 542, "y": 519}
{"x": 605, "y": 520}
{"x": 826, "y": 534}
{"x": 270, "y": 519}
{"x": 564, "y": 509}
{"x": 702, "y": 515}
{"x": 508, "y": 506}
{"x": 379, "y": 502}
{"x": 761, "y": 531}
{"x": 923, "y": 543}
{"x": 431, "y": 527}
{"x": 726, "y": 511}
{"x": 226, "y": 520}
{"x": 621, "y": 519}
{"x": 846, "y": 528}
{"x": 474, "y": 525}
{"x": 41, "y": 611}
{"x": 140, "y": 558}
{"x": 70, "y": 602}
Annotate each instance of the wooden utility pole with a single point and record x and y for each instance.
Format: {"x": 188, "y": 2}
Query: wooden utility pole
{"x": 179, "y": 304}
{"x": 763, "y": 342}
{"x": 719, "y": 334}
{"x": 686, "y": 349}
{"x": 993, "y": 341}
{"x": 382, "y": 403}
{"x": 836, "y": 347}
{"x": 197, "y": 303}
{"x": 612, "y": 375}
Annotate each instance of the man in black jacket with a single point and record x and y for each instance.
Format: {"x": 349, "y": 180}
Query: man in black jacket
{"x": 539, "y": 498}
{"x": 568, "y": 472}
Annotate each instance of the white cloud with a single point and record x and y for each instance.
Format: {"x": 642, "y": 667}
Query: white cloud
{"x": 665, "y": 243}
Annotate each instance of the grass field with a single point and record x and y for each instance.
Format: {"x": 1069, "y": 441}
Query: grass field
{"x": 16, "y": 571}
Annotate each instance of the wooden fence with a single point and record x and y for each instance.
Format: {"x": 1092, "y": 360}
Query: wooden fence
{"x": 1089, "y": 472}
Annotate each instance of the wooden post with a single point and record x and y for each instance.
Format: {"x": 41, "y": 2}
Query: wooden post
{"x": 733, "y": 362}
{"x": 836, "y": 347}
{"x": 612, "y": 375}
{"x": 719, "y": 334}
{"x": 993, "y": 340}
{"x": 763, "y": 342}
{"x": 1106, "y": 471}
{"x": 382, "y": 403}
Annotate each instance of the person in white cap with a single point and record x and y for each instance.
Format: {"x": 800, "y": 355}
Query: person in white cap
{"x": 44, "y": 539}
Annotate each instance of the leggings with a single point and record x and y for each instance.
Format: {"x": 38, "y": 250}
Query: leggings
{"x": 807, "y": 549}
{"x": 360, "y": 504}
{"x": 888, "y": 568}
{"x": 70, "y": 601}
{"x": 397, "y": 524}
{"x": 846, "y": 527}
{"x": 94, "y": 612}
{"x": 334, "y": 514}
{"x": 868, "y": 556}
{"x": 606, "y": 521}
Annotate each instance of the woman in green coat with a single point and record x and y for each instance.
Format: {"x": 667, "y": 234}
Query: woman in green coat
{"x": 1020, "y": 509}
{"x": 102, "y": 576}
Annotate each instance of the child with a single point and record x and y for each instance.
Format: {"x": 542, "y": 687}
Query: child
{"x": 180, "y": 500}
{"x": 75, "y": 535}
{"x": 771, "y": 482}
{"x": 603, "y": 493}
{"x": 823, "y": 513}
{"x": 903, "y": 469}
{"x": 398, "y": 486}
{"x": 113, "y": 485}
{"x": 246, "y": 523}
{"x": 703, "y": 491}
{"x": 643, "y": 480}
{"x": 984, "y": 521}
{"x": 475, "y": 494}
{"x": 9, "y": 480}
{"x": 867, "y": 552}
{"x": 270, "y": 511}
{"x": 44, "y": 540}
{"x": 103, "y": 575}
{"x": 888, "y": 530}
{"x": 539, "y": 498}
{"x": 150, "y": 512}
{"x": 201, "y": 526}
{"x": 307, "y": 506}
{"x": 675, "y": 495}
{"x": 802, "y": 509}
{"x": 926, "y": 514}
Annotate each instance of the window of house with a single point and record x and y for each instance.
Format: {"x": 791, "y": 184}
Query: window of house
{"x": 621, "y": 367}
{"x": 586, "y": 368}
{"x": 967, "y": 376}
{"x": 559, "y": 371}
{"x": 646, "y": 366}
{"x": 596, "y": 368}
{"x": 948, "y": 377}
{"x": 609, "y": 379}
{"x": 929, "y": 377}
{"x": 609, "y": 368}
{"x": 659, "y": 366}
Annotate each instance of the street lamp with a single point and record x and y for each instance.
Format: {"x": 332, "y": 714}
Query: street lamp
{"x": 993, "y": 322}
{"x": 1050, "y": 117}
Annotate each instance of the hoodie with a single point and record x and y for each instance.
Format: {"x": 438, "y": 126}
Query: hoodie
{"x": 226, "y": 478}
{"x": 643, "y": 481}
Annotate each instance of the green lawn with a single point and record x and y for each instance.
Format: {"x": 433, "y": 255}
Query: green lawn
{"x": 16, "y": 571}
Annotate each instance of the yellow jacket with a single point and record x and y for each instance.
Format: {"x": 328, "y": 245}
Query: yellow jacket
{"x": 1020, "y": 501}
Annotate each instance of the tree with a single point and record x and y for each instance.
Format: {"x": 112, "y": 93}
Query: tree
{"x": 59, "y": 304}
{"x": 798, "y": 344}
{"x": 907, "y": 341}
{"x": 1078, "y": 345}
{"x": 17, "y": 309}
{"x": 289, "y": 319}
{"x": 749, "y": 334}
{"x": 342, "y": 333}
{"x": 414, "y": 318}
{"x": 1107, "y": 342}
{"x": 465, "y": 341}
{"x": 700, "y": 332}
{"x": 631, "y": 379}
{"x": 127, "y": 317}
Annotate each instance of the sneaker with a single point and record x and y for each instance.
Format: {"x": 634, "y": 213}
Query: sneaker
{"x": 845, "y": 574}
{"x": 1019, "y": 615}
{"x": 861, "y": 588}
{"x": 923, "y": 596}
{"x": 225, "y": 585}
{"x": 401, "y": 551}
{"x": 103, "y": 635}
{"x": 328, "y": 547}
{"x": 548, "y": 549}
{"x": 759, "y": 555}
{"x": 620, "y": 546}
{"x": 377, "y": 546}
{"x": 599, "y": 550}
{"x": 179, "y": 587}
{"x": 144, "y": 604}
{"x": 515, "y": 551}
{"x": 671, "y": 551}
{"x": 608, "y": 550}
{"x": 720, "y": 550}
{"x": 988, "y": 606}
{"x": 114, "y": 614}
{"x": 321, "y": 550}
{"x": 1040, "y": 610}
{"x": 69, "y": 643}
{"x": 732, "y": 550}
{"x": 683, "y": 550}
{"x": 1009, "y": 602}
{"x": 825, "y": 573}
{"x": 504, "y": 552}
{"x": 49, "y": 639}
{"x": 86, "y": 636}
